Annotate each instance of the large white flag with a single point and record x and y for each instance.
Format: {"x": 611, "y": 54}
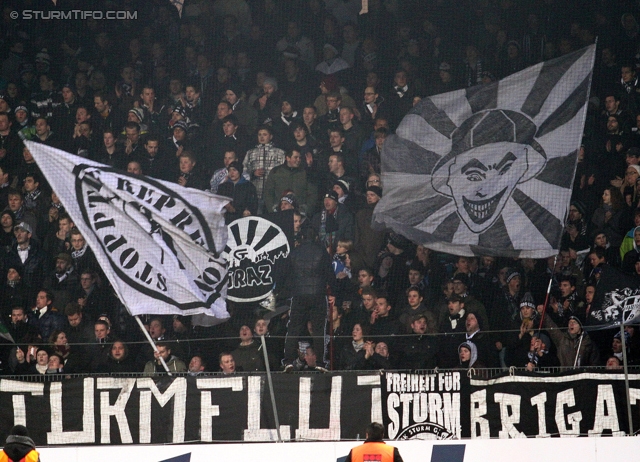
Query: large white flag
{"x": 158, "y": 243}
{"x": 488, "y": 170}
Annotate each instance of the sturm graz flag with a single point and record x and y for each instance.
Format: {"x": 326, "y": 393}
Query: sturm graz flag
{"x": 488, "y": 170}
{"x": 158, "y": 243}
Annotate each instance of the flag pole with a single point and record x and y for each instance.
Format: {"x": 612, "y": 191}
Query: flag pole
{"x": 546, "y": 299}
{"x": 271, "y": 392}
{"x": 626, "y": 376}
{"x": 152, "y": 343}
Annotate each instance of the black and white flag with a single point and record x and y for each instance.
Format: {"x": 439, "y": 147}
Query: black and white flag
{"x": 159, "y": 243}
{"x": 616, "y": 301}
{"x": 488, "y": 170}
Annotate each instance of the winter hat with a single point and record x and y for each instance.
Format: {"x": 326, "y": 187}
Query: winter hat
{"x": 291, "y": 199}
{"x": 237, "y": 165}
{"x": 576, "y": 319}
{"x": 138, "y": 112}
{"x": 377, "y": 190}
{"x": 342, "y": 184}
{"x": 527, "y": 300}
{"x": 512, "y": 273}
{"x": 19, "y": 430}
{"x": 636, "y": 167}
{"x": 461, "y": 277}
{"x": 478, "y": 319}
{"x": 181, "y": 124}
{"x": 21, "y": 107}
{"x": 331, "y": 195}
{"x": 270, "y": 81}
{"x": 627, "y": 338}
{"x": 180, "y": 110}
{"x": 544, "y": 338}
{"x": 444, "y": 66}
{"x": 580, "y": 206}
{"x": 236, "y": 88}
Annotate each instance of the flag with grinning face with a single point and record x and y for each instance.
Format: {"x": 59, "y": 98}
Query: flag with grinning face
{"x": 488, "y": 170}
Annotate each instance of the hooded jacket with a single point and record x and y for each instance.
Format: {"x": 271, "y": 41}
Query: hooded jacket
{"x": 18, "y": 447}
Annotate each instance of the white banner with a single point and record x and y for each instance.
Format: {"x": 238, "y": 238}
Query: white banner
{"x": 158, "y": 243}
{"x": 488, "y": 170}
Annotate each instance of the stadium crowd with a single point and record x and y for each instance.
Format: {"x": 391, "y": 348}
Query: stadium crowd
{"x": 285, "y": 105}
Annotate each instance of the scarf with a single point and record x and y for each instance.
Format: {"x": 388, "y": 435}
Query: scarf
{"x": 288, "y": 119}
{"x": 30, "y": 198}
{"x": 62, "y": 277}
{"x": 328, "y": 227}
{"x": 42, "y": 369}
{"x": 79, "y": 253}
{"x": 401, "y": 90}
{"x": 357, "y": 346}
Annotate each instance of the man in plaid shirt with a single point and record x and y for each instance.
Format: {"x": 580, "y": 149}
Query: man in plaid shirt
{"x": 260, "y": 160}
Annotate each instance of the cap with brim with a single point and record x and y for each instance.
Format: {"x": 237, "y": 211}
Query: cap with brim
{"x": 25, "y": 226}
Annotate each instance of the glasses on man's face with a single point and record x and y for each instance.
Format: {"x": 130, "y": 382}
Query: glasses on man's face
{"x": 373, "y": 181}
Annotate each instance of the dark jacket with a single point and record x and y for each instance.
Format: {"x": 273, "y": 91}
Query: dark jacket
{"x": 32, "y": 269}
{"x": 249, "y": 357}
{"x": 352, "y": 360}
{"x": 310, "y": 270}
{"x": 63, "y": 290}
{"x": 368, "y": 242}
{"x": 51, "y": 320}
{"x": 335, "y": 227}
{"x": 244, "y": 196}
{"x": 418, "y": 352}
